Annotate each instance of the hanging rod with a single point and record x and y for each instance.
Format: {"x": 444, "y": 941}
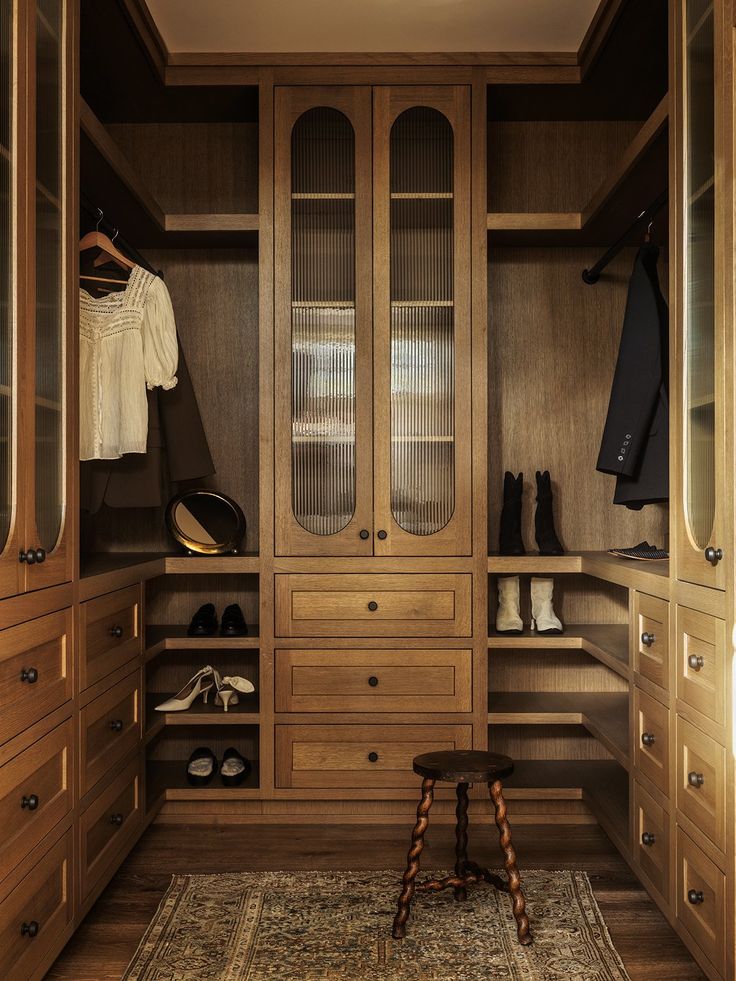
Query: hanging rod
{"x": 93, "y": 211}
{"x": 592, "y": 275}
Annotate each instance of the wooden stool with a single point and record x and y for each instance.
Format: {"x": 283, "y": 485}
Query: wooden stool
{"x": 463, "y": 767}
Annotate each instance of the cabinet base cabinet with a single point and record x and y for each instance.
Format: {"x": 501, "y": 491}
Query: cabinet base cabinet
{"x": 701, "y": 901}
{"x": 652, "y": 841}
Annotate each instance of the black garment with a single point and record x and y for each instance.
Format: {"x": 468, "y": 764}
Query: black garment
{"x": 635, "y": 444}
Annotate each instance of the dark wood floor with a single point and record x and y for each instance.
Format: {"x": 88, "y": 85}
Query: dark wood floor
{"x": 102, "y": 947}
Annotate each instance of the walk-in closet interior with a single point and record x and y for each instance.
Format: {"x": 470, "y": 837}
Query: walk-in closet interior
{"x": 279, "y": 333}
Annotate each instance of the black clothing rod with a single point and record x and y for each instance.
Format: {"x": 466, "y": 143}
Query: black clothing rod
{"x": 93, "y": 211}
{"x": 592, "y": 275}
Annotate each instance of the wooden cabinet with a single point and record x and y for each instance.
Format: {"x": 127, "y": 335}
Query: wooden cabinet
{"x": 652, "y": 840}
{"x": 109, "y": 633}
{"x": 651, "y": 749}
{"x": 373, "y": 451}
{"x": 701, "y": 900}
{"x": 701, "y": 663}
{"x": 651, "y": 646}
{"x": 110, "y": 729}
{"x": 701, "y": 782}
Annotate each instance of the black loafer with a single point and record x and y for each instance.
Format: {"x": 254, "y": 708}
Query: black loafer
{"x": 204, "y": 622}
{"x": 233, "y": 622}
{"x": 235, "y": 768}
{"x": 202, "y": 767}
{"x": 643, "y": 552}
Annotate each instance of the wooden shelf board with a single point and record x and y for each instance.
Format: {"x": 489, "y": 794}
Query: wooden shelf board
{"x": 648, "y": 576}
{"x": 607, "y": 642}
{"x": 246, "y": 562}
{"x": 533, "y": 562}
{"x": 215, "y": 222}
{"x": 160, "y": 638}
{"x": 169, "y": 779}
{"x": 245, "y": 713}
{"x": 522, "y": 221}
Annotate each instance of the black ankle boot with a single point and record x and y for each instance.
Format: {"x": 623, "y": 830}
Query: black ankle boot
{"x": 544, "y": 523}
{"x": 509, "y": 540}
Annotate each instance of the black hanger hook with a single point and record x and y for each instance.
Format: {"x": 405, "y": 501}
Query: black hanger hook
{"x": 100, "y": 216}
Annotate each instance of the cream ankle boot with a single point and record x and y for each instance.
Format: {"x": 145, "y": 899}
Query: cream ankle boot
{"x": 508, "y": 620}
{"x": 544, "y": 618}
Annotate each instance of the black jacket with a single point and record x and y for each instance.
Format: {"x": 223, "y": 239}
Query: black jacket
{"x": 635, "y": 444}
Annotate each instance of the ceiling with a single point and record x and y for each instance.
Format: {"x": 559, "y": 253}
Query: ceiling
{"x": 257, "y": 26}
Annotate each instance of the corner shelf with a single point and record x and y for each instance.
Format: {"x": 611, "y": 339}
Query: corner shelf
{"x": 606, "y": 642}
{"x": 167, "y": 780}
{"x": 245, "y": 713}
{"x": 160, "y": 638}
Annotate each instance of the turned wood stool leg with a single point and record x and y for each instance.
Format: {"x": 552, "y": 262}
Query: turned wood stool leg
{"x": 517, "y": 896}
{"x": 412, "y": 868}
{"x": 461, "y": 837}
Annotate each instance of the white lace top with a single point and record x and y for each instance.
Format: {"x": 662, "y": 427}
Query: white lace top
{"x": 127, "y": 342}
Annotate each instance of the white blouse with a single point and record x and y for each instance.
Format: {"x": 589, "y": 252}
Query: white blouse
{"x": 127, "y": 342}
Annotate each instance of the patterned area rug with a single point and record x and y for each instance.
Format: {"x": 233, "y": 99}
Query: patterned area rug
{"x": 320, "y": 926}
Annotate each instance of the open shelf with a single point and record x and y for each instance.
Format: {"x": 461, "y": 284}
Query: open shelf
{"x": 167, "y": 780}
{"x": 607, "y": 642}
{"x": 246, "y": 712}
{"x": 246, "y": 562}
{"x": 165, "y": 637}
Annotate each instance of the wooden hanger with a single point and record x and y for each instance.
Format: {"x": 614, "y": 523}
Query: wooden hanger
{"x": 98, "y": 240}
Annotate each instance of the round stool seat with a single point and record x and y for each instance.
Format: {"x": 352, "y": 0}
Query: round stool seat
{"x": 463, "y": 766}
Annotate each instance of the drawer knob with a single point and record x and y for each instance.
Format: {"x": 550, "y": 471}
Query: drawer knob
{"x": 116, "y": 631}
{"x": 116, "y": 819}
{"x": 29, "y": 803}
{"x": 695, "y": 661}
{"x": 695, "y": 779}
{"x": 364, "y": 533}
{"x": 373, "y": 681}
{"x": 382, "y": 534}
{"x": 713, "y": 555}
{"x": 373, "y": 606}
{"x": 30, "y": 929}
{"x": 29, "y": 675}
{"x": 648, "y": 839}
{"x": 32, "y": 556}
{"x": 373, "y": 757}
{"x": 695, "y": 896}
{"x": 647, "y": 738}
{"x": 647, "y": 639}
{"x": 116, "y": 725}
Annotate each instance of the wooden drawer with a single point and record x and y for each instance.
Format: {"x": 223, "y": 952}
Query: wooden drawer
{"x": 701, "y": 900}
{"x": 374, "y": 681}
{"x": 701, "y": 663}
{"x": 35, "y": 671}
{"x": 701, "y": 781}
{"x": 110, "y": 729}
{"x": 35, "y": 794}
{"x": 108, "y": 826}
{"x": 373, "y": 605}
{"x": 652, "y": 840}
{"x": 110, "y": 634}
{"x": 42, "y": 900}
{"x": 651, "y": 752}
{"x": 359, "y": 756}
{"x": 651, "y": 658}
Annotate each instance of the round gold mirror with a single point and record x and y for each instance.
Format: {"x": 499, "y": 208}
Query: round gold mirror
{"x": 206, "y": 522}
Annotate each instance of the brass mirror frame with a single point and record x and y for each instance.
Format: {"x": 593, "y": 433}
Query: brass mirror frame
{"x": 221, "y": 548}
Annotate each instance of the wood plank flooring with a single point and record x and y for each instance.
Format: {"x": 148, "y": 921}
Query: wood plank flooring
{"x": 102, "y": 947}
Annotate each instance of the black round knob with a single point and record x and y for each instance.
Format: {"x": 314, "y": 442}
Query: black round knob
{"x": 695, "y": 661}
{"x": 29, "y": 803}
{"x": 116, "y": 631}
{"x": 29, "y": 675}
{"x": 116, "y": 819}
{"x": 116, "y": 725}
{"x": 373, "y": 757}
{"x": 373, "y": 681}
{"x": 647, "y": 639}
{"x": 648, "y": 839}
{"x": 382, "y": 534}
{"x": 29, "y": 929}
{"x": 695, "y": 896}
{"x": 695, "y": 779}
{"x": 40, "y": 554}
{"x": 372, "y": 606}
{"x": 32, "y": 556}
{"x": 713, "y": 555}
{"x": 364, "y": 533}
{"x": 647, "y": 738}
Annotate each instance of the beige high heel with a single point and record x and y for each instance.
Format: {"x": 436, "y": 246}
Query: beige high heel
{"x": 200, "y": 684}
{"x": 228, "y": 688}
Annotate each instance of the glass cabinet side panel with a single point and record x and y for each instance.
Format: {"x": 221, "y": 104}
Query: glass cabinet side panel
{"x": 699, "y": 273}
{"x": 49, "y": 390}
{"x": 323, "y": 321}
{"x": 7, "y": 378}
{"x": 422, "y": 321}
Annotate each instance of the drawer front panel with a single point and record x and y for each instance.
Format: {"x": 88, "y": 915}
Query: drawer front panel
{"x": 43, "y": 902}
{"x": 373, "y": 681}
{"x": 110, "y": 730}
{"x": 359, "y": 756}
{"x": 652, "y": 639}
{"x": 108, "y": 825}
{"x": 652, "y": 840}
{"x": 110, "y": 633}
{"x": 380, "y": 605}
{"x": 701, "y": 663}
{"x": 35, "y": 671}
{"x": 701, "y": 781}
{"x": 701, "y": 899}
{"x": 651, "y": 753}
{"x": 35, "y": 794}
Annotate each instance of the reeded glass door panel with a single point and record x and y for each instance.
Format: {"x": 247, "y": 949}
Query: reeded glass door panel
{"x": 323, "y": 431}
{"x": 7, "y": 373}
{"x": 422, "y": 321}
{"x": 50, "y": 313}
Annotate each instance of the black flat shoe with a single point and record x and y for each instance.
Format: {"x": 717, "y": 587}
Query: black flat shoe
{"x": 233, "y": 622}
{"x": 235, "y": 768}
{"x": 202, "y": 767}
{"x": 204, "y": 622}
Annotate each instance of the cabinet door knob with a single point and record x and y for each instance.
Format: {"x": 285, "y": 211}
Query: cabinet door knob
{"x": 373, "y": 681}
{"x": 116, "y": 631}
{"x": 695, "y": 661}
{"x": 32, "y": 556}
{"x": 116, "y": 725}
{"x": 713, "y": 555}
{"x": 29, "y": 929}
{"x": 116, "y": 819}
{"x": 648, "y": 839}
{"x": 29, "y": 803}
{"x": 373, "y": 757}
{"x": 695, "y": 896}
{"x": 364, "y": 533}
{"x": 29, "y": 675}
{"x": 372, "y": 606}
{"x": 382, "y": 534}
{"x": 647, "y": 639}
{"x": 695, "y": 779}
{"x": 647, "y": 738}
